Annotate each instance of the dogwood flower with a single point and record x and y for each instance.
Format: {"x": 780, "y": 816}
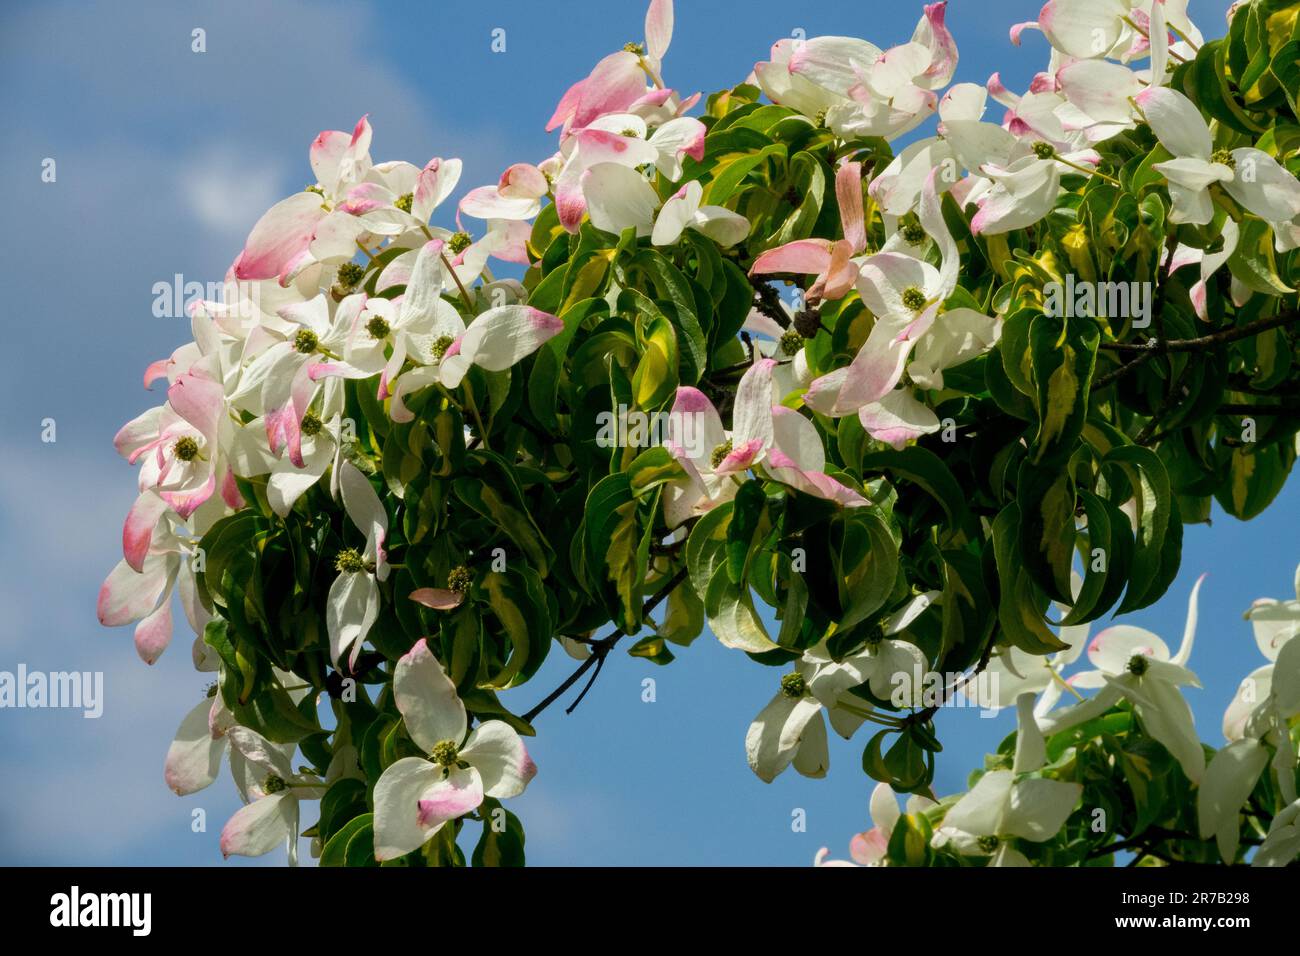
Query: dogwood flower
{"x": 1019, "y": 672}
{"x": 271, "y": 790}
{"x": 396, "y": 200}
{"x": 905, "y": 295}
{"x": 1260, "y": 713}
{"x": 194, "y": 757}
{"x": 870, "y": 848}
{"x": 1250, "y": 176}
{"x": 1210, "y": 263}
{"x": 353, "y": 601}
{"x": 965, "y": 141}
{"x": 1275, "y": 622}
{"x": 619, "y": 80}
{"x": 1282, "y": 843}
{"x": 1137, "y": 664}
{"x": 789, "y": 730}
{"x": 831, "y": 261}
{"x": 1006, "y": 804}
{"x": 854, "y": 87}
{"x": 157, "y": 562}
{"x": 415, "y": 796}
{"x": 710, "y": 455}
{"x": 784, "y": 345}
{"x": 683, "y": 211}
{"x": 494, "y": 340}
{"x": 279, "y": 245}
{"x": 180, "y": 446}
{"x": 797, "y": 458}
{"x": 1116, "y": 29}
{"x": 283, "y": 374}
{"x": 517, "y": 195}
{"x": 1025, "y": 190}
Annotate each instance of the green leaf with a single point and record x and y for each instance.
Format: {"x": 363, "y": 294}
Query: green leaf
{"x": 1020, "y": 603}
{"x": 865, "y": 563}
{"x": 518, "y": 601}
{"x": 353, "y": 845}
{"x": 495, "y": 494}
{"x": 343, "y": 801}
{"x": 502, "y": 840}
{"x": 613, "y": 536}
{"x": 927, "y": 470}
{"x": 1145, "y": 475}
{"x": 1062, "y": 356}
{"x": 1207, "y": 84}
{"x": 1253, "y": 263}
{"x": 1046, "y": 499}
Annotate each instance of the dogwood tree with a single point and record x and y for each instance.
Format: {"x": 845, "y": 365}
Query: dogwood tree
{"x": 929, "y": 409}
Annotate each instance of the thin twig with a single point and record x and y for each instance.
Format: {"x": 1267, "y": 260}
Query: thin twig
{"x": 1206, "y": 341}
{"x": 601, "y": 648}
{"x": 1175, "y": 392}
{"x": 1116, "y": 374}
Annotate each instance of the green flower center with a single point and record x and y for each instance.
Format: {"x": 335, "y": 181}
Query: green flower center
{"x": 913, "y": 234}
{"x": 875, "y": 634}
{"x": 459, "y": 242}
{"x": 351, "y": 273}
{"x": 314, "y": 189}
{"x": 186, "y": 449}
{"x": 720, "y": 453}
{"x": 1043, "y": 150}
{"x": 311, "y": 425}
{"x": 1225, "y": 157}
{"x": 445, "y": 752}
{"x": 820, "y": 119}
{"x": 459, "y": 579}
{"x": 914, "y": 298}
{"x": 378, "y": 327}
{"x": 273, "y": 784}
{"x": 988, "y": 843}
{"x": 791, "y": 342}
{"x": 211, "y": 691}
{"x": 440, "y": 346}
{"x": 1137, "y": 665}
{"x": 305, "y": 341}
{"x": 636, "y": 48}
{"x": 793, "y": 685}
{"x": 349, "y": 561}
{"x": 405, "y": 201}
{"x": 630, "y": 132}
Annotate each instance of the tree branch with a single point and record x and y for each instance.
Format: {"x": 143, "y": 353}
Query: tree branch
{"x": 1221, "y": 337}
{"x": 600, "y": 649}
{"x": 1116, "y": 374}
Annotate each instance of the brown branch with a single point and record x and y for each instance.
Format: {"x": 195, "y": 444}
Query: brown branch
{"x": 600, "y": 649}
{"x": 768, "y": 301}
{"x": 1221, "y": 337}
{"x": 1116, "y": 374}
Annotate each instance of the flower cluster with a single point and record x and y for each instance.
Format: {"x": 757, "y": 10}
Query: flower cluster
{"x": 1034, "y": 802}
{"x": 378, "y": 486}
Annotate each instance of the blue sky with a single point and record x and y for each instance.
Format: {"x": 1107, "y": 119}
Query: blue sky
{"x": 164, "y": 159}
